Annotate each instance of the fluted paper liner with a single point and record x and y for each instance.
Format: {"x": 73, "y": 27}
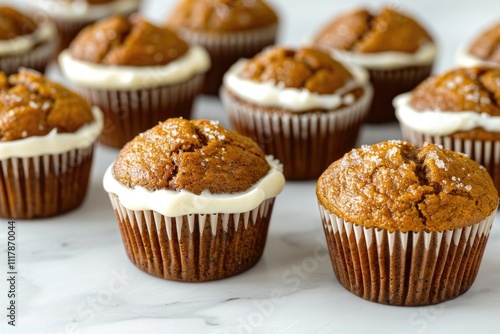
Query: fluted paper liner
{"x": 406, "y": 269}
{"x": 484, "y": 152}
{"x": 130, "y": 112}
{"x": 45, "y": 185}
{"x": 36, "y": 59}
{"x": 306, "y": 143}
{"x": 194, "y": 247}
{"x": 226, "y": 48}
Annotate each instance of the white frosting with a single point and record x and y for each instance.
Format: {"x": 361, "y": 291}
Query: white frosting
{"x": 442, "y": 123}
{"x": 23, "y": 44}
{"x": 82, "y": 10}
{"x": 178, "y": 203}
{"x": 465, "y": 59}
{"x": 389, "y": 60}
{"x": 53, "y": 142}
{"x": 272, "y": 95}
{"x": 195, "y": 61}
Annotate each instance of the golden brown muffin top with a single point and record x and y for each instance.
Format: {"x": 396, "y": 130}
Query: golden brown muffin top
{"x": 398, "y": 187}
{"x": 487, "y": 45}
{"x": 14, "y": 24}
{"x": 305, "y": 68}
{"x": 364, "y": 32}
{"x": 30, "y": 105}
{"x": 463, "y": 89}
{"x": 92, "y": 2}
{"x": 133, "y": 41}
{"x": 222, "y": 15}
{"x": 199, "y": 155}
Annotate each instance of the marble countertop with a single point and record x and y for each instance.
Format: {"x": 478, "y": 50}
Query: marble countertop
{"x": 74, "y": 275}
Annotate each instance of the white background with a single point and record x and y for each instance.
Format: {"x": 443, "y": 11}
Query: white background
{"x": 76, "y": 278}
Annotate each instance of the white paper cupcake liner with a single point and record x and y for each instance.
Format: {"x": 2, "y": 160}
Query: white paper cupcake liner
{"x": 195, "y": 247}
{"x": 45, "y": 185}
{"x": 408, "y": 269}
{"x": 36, "y": 59}
{"x": 306, "y": 143}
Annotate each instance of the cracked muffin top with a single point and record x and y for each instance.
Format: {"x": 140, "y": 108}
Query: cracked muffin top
{"x": 30, "y": 105}
{"x": 464, "y": 89}
{"x": 306, "y": 68}
{"x": 14, "y": 24}
{"x": 364, "y": 32}
{"x": 123, "y": 41}
{"x": 487, "y": 45}
{"x": 222, "y": 15}
{"x": 398, "y": 187}
{"x": 199, "y": 155}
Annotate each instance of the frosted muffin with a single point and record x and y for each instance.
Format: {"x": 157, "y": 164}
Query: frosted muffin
{"x": 137, "y": 73}
{"x": 71, "y": 16}
{"x": 459, "y": 109}
{"x": 396, "y": 50}
{"x": 483, "y": 51}
{"x": 47, "y": 136}
{"x": 229, "y": 30}
{"x": 301, "y": 106}
{"x": 193, "y": 200}
{"x": 405, "y": 225}
{"x": 24, "y": 42}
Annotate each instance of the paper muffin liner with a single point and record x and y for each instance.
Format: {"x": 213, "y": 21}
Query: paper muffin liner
{"x": 405, "y": 269}
{"x": 387, "y": 84}
{"x": 130, "y": 112}
{"x": 226, "y": 48}
{"x": 44, "y": 185}
{"x": 306, "y": 143}
{"x": 36, "y": 59}
{"x": 484, "y": 152}
{"x": 194, "y": 247}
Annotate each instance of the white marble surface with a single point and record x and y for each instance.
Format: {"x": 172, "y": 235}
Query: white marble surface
{"x": 74, "y": 276}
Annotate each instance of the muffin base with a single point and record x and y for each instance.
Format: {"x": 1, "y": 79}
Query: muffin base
{"x": 130, "y": 112}
{"x": 226, "y": 48}
{"x": 196, "y": 247}
{"x": 306, "y": 143}
{"x": 405, "y": 269}
{"x": 44, "y": 186}
{"x": 36, "y": 59}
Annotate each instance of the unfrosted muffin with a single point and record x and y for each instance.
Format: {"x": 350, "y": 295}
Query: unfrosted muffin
{"x": 47, "y": 136}
{"x": 301, "y": 106}
{"x": 137, "y": 73}
{"x": 229, "y": 30}
{"x": 459, "y": 109}
{"x": 406, "y": 225}
{"x": 483, "y": 51}
{"x": 396, "y": 50}
{"x": 193, "y": 200}
{"x": 23, "y": 42}
{"x": 71, "y": 16}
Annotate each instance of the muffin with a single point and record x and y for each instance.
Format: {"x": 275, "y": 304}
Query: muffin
{"x": 229, "y": 30}
{"x": 393, "y": 47}
{"x": 404, "y": 225}
{"x": 483, "y": 51}
{"x": 24, "y": 43}
{"x": 47, "y": 136}
{"x": 301, "y": 106}
{"x": 460, "y": 110}
{"x": 193, "y": 200}
{"x": 71, "y": 16}
{"x": 137, "y": 73}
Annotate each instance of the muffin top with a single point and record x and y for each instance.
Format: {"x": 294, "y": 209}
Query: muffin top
{"x": 222, "y": 15}
{"x": 395, "y": 186}
{"x": 364, "y": 32}
{"x": 306, "y": 68}
{"x": 92, "y": 2}
{"x": 14, "y": 24}
{"x": 474, "y": 89}
{"x": 196, "y": 156}
{"x": 30, "y": 105}
{"x": 123, "y": 41}
{"x": 487, "y": 45}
